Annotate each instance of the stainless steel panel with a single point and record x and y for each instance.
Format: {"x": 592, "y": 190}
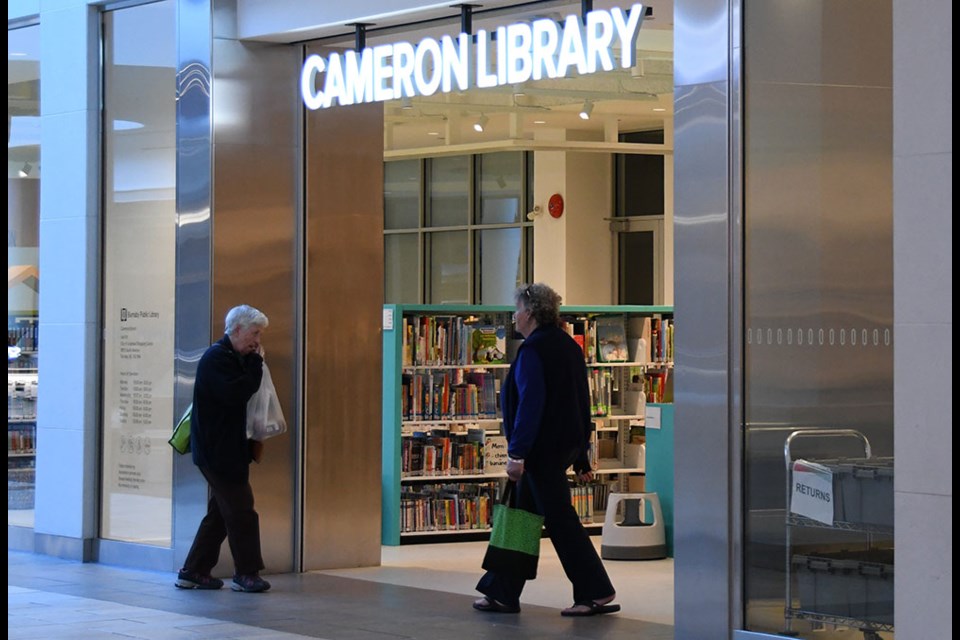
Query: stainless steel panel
{"x": 344, "y": 300}
{"x": 256, "y": 160}
{"x": 192, "y": 331}
{"x": 818, "y": 255}
{"x": 820, "y": 42}
{"x": 704, "y": 289}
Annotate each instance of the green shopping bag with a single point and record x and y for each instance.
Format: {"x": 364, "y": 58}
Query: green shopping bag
{"x": 514, "y": 547}
{"x": 180, "y": 440}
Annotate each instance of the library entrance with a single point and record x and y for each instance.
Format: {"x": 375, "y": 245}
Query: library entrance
{"x": 565, "y": 180}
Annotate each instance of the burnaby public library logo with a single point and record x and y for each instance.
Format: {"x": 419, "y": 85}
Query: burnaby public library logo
{"x": 524, "y": 51}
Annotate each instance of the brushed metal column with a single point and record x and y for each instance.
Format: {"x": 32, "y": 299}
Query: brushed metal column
{"x": 256, "y": 226}
{"x": 705, "y": 290}
{"x": 238, "y": 208}
{"x": 344, "y": 302}
{"x": 194, "y": 259}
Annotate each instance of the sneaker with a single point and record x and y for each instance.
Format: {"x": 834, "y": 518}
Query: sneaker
{"x": 250, "y": 583}
{"x": 190, "y": 580}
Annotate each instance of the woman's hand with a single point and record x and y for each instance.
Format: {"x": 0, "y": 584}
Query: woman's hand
{"x": 256, "y": 450}
{"x": 514, "y": 469}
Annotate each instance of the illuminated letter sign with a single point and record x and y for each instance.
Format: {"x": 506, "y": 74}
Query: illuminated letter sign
{"x": 519, "y": 52}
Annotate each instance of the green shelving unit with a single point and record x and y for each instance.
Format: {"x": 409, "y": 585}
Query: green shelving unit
{"x": 659, "y": 453}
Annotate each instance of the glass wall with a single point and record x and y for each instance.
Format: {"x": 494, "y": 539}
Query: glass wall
{"x": 474, "y": 245}
{"x": 23, "y": 269}
{"x": 139, "y": 249}
{"x": 818, "y": 317}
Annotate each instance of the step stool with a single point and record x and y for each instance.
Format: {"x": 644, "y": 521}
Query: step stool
{"x": 632, "y": 538}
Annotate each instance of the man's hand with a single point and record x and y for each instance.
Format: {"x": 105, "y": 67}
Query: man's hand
{"x": 586, "y": 476}
{"x": 514, "y": 469}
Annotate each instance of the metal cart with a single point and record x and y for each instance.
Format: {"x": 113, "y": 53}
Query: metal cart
{"x": 851, "y": 574}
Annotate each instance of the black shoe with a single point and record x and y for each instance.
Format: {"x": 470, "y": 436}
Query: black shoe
{"x": 190, "y": 580}
{"x": 491, "y": 605}
{"x": 251, "y": 583}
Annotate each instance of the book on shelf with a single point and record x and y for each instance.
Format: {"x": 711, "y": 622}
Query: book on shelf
{"x": 600, "y": 386}
{"x": 449, "y": 394}
{"x": 583, "y": 332}
{"x": 657, "y": 386}
{"x": 488, "y": 344}
{"x": 442, "y": 453}
{"x": 611, "y": 339}
{"x": 447, "y": 507}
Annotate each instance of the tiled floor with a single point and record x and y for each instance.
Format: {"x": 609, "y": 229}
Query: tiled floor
{"x": 51, "y": 598}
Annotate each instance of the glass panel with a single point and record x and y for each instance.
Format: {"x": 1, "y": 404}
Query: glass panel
{"x": 139, "y": 249}
{"x": 637, "y": 272}
{"x": 401, "y": 194}
{"x": 818, "y": 319}
{"x": 500, "y": 187}
{"x": 640, "y": 178}
{"x": 449, "y": 272}
{"x": 499, "y": 264}
{"x": 23, "y": 269}
{"x": 449, "y": 191}
{"x": 401, "y": 268}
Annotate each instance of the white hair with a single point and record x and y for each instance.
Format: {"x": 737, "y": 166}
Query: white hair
{"x": 243, "y": 316}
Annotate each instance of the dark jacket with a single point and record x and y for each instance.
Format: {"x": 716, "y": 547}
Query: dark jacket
{"x": 218, "y": 426}
{"x": 563, "y": 435}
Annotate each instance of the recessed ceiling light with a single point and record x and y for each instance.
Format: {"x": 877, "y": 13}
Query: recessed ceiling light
{"x": 433, "y": 133}
{"x": 539, "y": 122}
{"x": 659, "y": 109}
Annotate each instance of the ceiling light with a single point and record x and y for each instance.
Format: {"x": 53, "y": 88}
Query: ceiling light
{"x": 433, "y": 133}
{"x": 406, "y": 102}
{"x": 480, "y": 124}
{"x": 26, "y": 169}
{"x": 539, "y": 122}
{"x": 586, "y": 110}
{"x": 659, "y": 109}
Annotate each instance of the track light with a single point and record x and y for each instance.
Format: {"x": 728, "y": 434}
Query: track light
{"x": 406, "y": 102}
{"x": 586, "y": 110}
{"x": 480, "y": 124}
{"x": 26, "y": 169}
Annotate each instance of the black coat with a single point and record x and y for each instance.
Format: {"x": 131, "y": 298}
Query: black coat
{"x": 218, "y": 426}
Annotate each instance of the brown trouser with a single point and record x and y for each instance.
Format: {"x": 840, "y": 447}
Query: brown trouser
{"x": 230, "y": 515}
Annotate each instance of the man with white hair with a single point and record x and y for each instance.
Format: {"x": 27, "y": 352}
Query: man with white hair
{"x": 228, "y": 374}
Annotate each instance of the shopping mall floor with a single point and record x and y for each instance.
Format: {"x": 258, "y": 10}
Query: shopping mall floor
{"x": 421, "y": 592}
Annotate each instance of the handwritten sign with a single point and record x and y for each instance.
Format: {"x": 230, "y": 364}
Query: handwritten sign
{"x": 811, "y": 491}
{"x": 494, "y": 455}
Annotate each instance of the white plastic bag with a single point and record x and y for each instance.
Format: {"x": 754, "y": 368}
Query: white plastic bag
{"x": 264, "y": 415}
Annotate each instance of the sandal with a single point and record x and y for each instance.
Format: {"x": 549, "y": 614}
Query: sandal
{"x": 491, "y": 605}
{"x": 593, "y": 609}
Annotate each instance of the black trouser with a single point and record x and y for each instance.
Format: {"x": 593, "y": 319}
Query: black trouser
{"x": 230, "y": 515}
{"x": 547, "y": 492}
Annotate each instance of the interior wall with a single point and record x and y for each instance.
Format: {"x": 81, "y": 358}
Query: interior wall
{"x": 256, "y": 162}
{"x": 342, "y": 332}
{"x": 574, "y": 252}
{"x": 923, "y": 317}
{"x": 550, "y": 234}
{"x": 589, "y": 260}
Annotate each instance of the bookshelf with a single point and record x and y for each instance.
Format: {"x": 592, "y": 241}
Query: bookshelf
{"x": 443, "y": 451}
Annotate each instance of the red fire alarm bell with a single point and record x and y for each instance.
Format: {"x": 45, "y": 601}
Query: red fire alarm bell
{"x": 555, "y": 205}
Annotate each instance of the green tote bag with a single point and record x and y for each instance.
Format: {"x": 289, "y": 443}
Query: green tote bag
{"x": 514, "y": 547}
{"x": 180, "y": 440}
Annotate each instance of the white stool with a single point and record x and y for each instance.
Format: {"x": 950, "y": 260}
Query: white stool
{"x": 633, "y": 538}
